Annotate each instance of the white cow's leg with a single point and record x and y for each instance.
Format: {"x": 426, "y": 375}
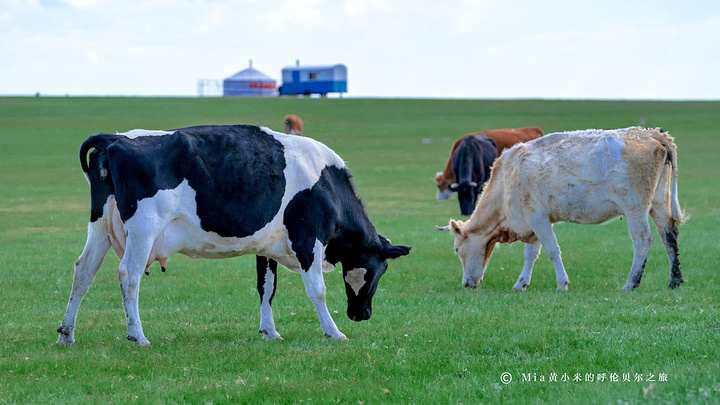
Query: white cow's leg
{"x": 544, "y": 232}
{"x": 532, "y": 251}
{"x": 669, "y": 234}
{"x": 266, "y": 285}
{"x": 86, "y": 267}
{"x": 129, "y": 273}
{"x": 315, "y": 288}
{"x": 641, "y": 235}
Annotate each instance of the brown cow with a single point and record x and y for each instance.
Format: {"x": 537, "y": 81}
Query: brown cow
{"x": 503, "y": 138}
{"x": 293, "y": 125}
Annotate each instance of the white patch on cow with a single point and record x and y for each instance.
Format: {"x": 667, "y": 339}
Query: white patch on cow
{"x": 305, "y": 159}
{"x": 444, "y": 195}
{"x": 355, "y": 278}
{"x": 135, "y": 133}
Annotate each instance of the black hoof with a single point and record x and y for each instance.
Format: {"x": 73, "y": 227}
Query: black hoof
{"x": 163, "y": 268}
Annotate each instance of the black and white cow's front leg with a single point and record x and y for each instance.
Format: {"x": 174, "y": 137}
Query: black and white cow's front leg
{"x": 315, "y": 288}
{"x": 86, "y": 267}
{"x": 266, "y": 285}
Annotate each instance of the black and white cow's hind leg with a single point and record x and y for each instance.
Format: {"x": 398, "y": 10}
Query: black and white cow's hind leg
{"x": 315, "y": 288}
{"x": 86, "y": 267}
{"x": 266, "y": 285}
{"x": 642, "y": 238}
{"x": 141, "y": 235}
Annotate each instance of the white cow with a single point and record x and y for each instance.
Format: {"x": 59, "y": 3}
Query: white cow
{"x": 585, "y": 177}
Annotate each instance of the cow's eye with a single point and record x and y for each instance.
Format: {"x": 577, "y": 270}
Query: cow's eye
{"x": 456, "y": 250}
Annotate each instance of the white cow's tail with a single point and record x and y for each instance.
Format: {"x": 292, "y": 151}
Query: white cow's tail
{"x": 676, "y": 213}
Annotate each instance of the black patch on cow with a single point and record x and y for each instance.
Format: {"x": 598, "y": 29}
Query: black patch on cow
{"x": 472, "y": 162}
{"x": 329, "y": 212}
{"x": 671, "y": 239}
{"x": 236, "y": 171}
{"x": 263, "y": 264}
{"x": 638, "y": 276}
{"x": 101, "y": 188}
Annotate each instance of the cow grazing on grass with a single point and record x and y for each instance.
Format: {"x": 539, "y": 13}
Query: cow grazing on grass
{"x": 293, "y": 125}
{"x": 585, "y": 177}
{"x": 472, "y": 163}
{"x": 503, "y": 138}
{"x": 225, "y": 191}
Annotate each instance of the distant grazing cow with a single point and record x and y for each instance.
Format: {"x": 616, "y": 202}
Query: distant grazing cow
{"x": 503, "y": 138}
{"x": 585, "y": 177}
{"x": 293, "y": 125}
{"x": 472, "y": 162}
{"x": 225, "y": 191}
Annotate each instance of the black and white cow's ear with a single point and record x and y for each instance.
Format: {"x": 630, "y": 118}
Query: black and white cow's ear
{"x": 453, "y": 187}
{"x": 392, "y": 252}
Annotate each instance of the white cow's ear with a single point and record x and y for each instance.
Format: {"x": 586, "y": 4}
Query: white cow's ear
{"x": 456, "y": 228}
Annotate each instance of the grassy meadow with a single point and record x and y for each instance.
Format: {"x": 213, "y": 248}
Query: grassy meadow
{"x": 429, "y": 340}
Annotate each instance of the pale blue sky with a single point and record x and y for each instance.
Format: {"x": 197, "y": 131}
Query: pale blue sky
{"x": 421, "y": 48}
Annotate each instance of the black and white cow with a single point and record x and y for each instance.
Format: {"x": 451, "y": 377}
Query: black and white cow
{"x": 472, "y": 162}
{"x": 225, "y": 191}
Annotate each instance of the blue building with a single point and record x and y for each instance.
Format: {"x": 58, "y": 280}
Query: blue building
{"x": 314, "y": 79}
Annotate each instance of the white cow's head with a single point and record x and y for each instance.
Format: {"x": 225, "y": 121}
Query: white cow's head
{"x": 474, "y": 250}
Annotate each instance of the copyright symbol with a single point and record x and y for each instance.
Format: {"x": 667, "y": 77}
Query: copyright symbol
{"x": 506, "y": 378}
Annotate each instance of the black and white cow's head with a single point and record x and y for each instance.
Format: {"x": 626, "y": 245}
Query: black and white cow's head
{"x": 362, "y": 271}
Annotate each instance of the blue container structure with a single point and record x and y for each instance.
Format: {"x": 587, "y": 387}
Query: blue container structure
{"x": 314, "y": 80}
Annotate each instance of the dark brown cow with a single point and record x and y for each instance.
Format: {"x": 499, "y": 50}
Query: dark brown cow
{"x": 503, "y": 138}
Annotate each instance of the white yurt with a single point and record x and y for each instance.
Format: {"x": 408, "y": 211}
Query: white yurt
{"x": 249, "y": 83}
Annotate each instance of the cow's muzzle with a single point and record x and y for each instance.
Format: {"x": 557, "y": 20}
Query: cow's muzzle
{"x": 471, "y": 282}
{"x": 359, "y": 315}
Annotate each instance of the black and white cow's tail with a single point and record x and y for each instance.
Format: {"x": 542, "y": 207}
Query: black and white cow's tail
{"x": 100, "y": 143}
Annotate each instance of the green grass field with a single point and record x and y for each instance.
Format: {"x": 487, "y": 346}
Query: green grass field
{"x": 429, "y": 341}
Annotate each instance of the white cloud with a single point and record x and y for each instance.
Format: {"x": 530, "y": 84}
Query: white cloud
{"x": 83, "y": 3}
